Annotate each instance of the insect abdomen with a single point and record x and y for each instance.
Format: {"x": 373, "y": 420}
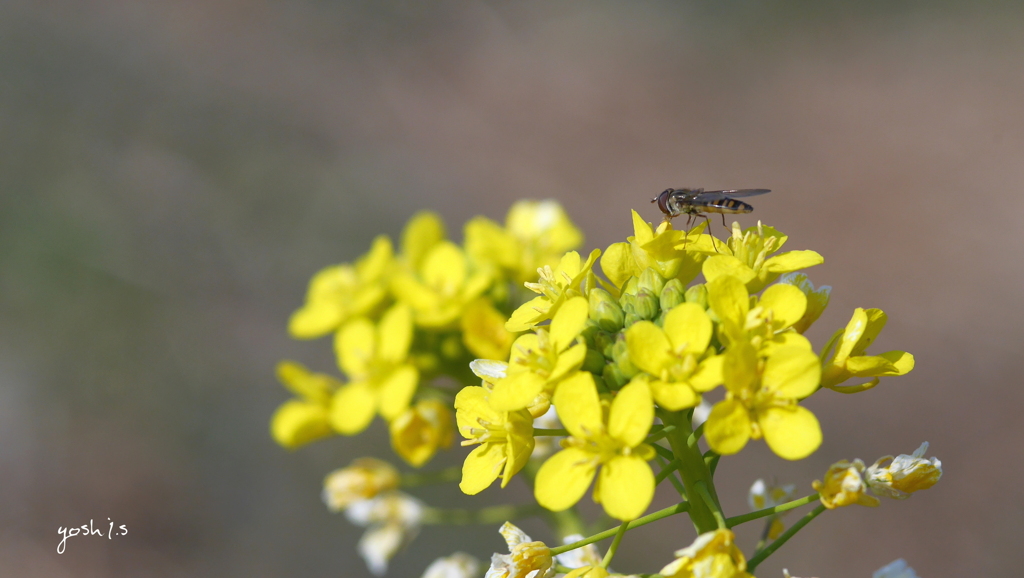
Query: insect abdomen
{"x": 728, "y": 206}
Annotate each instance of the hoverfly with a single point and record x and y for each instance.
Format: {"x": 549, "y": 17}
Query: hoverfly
{"x": 696, "y": 203}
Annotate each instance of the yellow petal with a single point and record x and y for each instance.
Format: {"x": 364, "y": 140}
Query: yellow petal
{"x": 395, "y": 334}
{"x": 851, "y": 335}
{"x": 792, "y": 372}
{"x": 718, "y": 266}
{"x": 902, "y": 361}
{"x": 739, "y": 369}
{"x": 648, "y": 347}
{"x": 470, "y": 406}
{"x": 708, "y": 375}
{"x": 353, "y": 408}
{"x": 792, "y": 432}
{"x": 674, "y": 396}
{"x": 728, "y": 298}
{"x": 688, "y": 324}
{"x": 578, "y": 405}
{"x": 786, "y": 302}
{"x": 315, "y": 319}
{"x": 421, "y": 233}
{"x": 631, "y": 414}
{"x": 728, "y": 427}
{"x": 396, "y": 391}
{"x": 792, "y": 261}
{"x": 564, "y": 478}
{"x": 516, "y": 391}
{"x": 626, "y": 487}
{"x": 354, "y": 347}
{"x": 617, "y": 263}
{"x": 528, "y": 315}
{"x": 642, "y": 232}
{"x": 297, "y": 423}
{"x": 444, "y": 268}
{"x": 869, "y": 366}
{"x": 568, "y": 361}
{"x": 569, "y": 322}
{"x": 481, "y": 468}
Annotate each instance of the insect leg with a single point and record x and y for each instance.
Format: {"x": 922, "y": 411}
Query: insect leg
{"x": 708, "y": 221}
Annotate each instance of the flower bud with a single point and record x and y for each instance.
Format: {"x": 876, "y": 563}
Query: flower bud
{"x": 605, "y": 311}
{"x": 650, "y": 282}
{"x": 363, "y": 479}
{"x": 418, "y": 432}
{"x": 594, "y": 362}
{"x": 647, "y": 305}
{"x": 698, "y": 294}
{"x": 673, "y": 294}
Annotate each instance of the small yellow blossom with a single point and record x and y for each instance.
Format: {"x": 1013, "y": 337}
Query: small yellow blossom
{"x": 483, "y": 330}
{"x": 526, "y": 558}
{"x": 712, "y": 555}
{"x": 341, "y": 292}
{"x": 761, "y": 400}
{"x": 458, "y": 565}
{"x": 306, "y": 418}
{"x": 844, "y": 486}
{"x": 363, "y": 479}
{"x": 614, "y": 444}
{"x": 671, "y": 253}
{"x": 747, "y": 257}
{"x": 423, "y": 231}
{"x": 904, "y": 474}
{"x": 536, "y": 234}
{"x": 817, "y": 299}
{"x": 763, "y": 495}
{"x": 677, "y": 356}
{"x": 540, "y": 360}
{"x": 764, "y": 321}
{"x": 504, "y": 440}
{"x": 849, "y": 360}
{"x": 441, "y": 287}
{"x": 393, "y": 519}
{"x": 419, "y": 431}
{"x": 381, "y": 377}
{"x": 555, "y": 288}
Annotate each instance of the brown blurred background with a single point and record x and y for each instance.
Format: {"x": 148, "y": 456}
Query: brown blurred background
{"x": 172, "y": 173}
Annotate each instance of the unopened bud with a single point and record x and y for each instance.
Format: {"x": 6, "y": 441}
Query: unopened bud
{"x": 605, "y": 311}
{"x": 647, "y": 305}
{"x": 651, "y": 282}
{"x": 673, "y": 294}
{"x": 698, "y": 294}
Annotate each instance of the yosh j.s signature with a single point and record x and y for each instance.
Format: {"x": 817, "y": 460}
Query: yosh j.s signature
{"x": 88, "y": 530}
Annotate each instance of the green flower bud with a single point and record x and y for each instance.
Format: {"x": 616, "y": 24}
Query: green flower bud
{"x": 620, "y": 358}
{"x": 651, "y": 282}
{"x": 673, "y": 294}
{"x": 647, "y": 305}
{"x": 613, "y": 377}
{"x": 628, "y": 303}
{"x": 594, "y": 362}
{"x": 630, "y": 287}
{"x": 603, "y": 342}
{"x": 698, "y": 294}
{"x": 605, "y": 311}
{"x": 631, "y": 318}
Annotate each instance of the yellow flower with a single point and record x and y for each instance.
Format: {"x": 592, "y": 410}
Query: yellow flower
{"x": 441, "y": 286}
{"x": 613, "y": 444}
{"x": 765, "y": 322}
{"x": 306, "y": 419}
{"x": 418, "y": 432}
{"x": 483, "y": 330}
{"x": 817, "y": 299}
{"x": 536, "y": 234}
{"x": 712, "y": 555}
{"x": 341, "y": 292}
{"x": 423, "y": 231}
{"x": 526, "y": 558}
{"x": 540, "y": 360}
{"x": 504, "y": 440}
{"x": 381, "y": 377}
{"x": 844, "y": 486}
{"x": 761, "y": 400}
{"x": 677, "y": 356}
{"x": 555, "y": 288}
{"x": 673, "y": 254}
{"x": 747, "y": 257}
{"x": 849, "y": 359}
{"x": 363, "y": 479}
{"x": 904, "y": 474}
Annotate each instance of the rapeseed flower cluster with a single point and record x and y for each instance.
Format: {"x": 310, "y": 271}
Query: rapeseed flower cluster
{"x": 574, "y": 371}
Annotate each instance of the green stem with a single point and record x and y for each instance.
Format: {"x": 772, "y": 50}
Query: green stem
{"x": 670, "y": 467}
{"x": 652, "y": 517}
{"x": 414, "y": 479}
{"x": 492, "y": 515}
{"x": 716, "y": 510}
{"x": 539, "y": 431}
{"x": 692, "y": 470}
{"x": 615, "y": 546}
{"x": 660, "y": 433}
{"x": 737, "y": 520}
{"x": 695, "y": 436}
{"x": 760, "y": 556}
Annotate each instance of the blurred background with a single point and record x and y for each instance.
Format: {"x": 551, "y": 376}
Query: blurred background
{"x": 172, "y": 173}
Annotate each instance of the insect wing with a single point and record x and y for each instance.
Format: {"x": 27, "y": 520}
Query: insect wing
{"x": 738, "y": 193}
